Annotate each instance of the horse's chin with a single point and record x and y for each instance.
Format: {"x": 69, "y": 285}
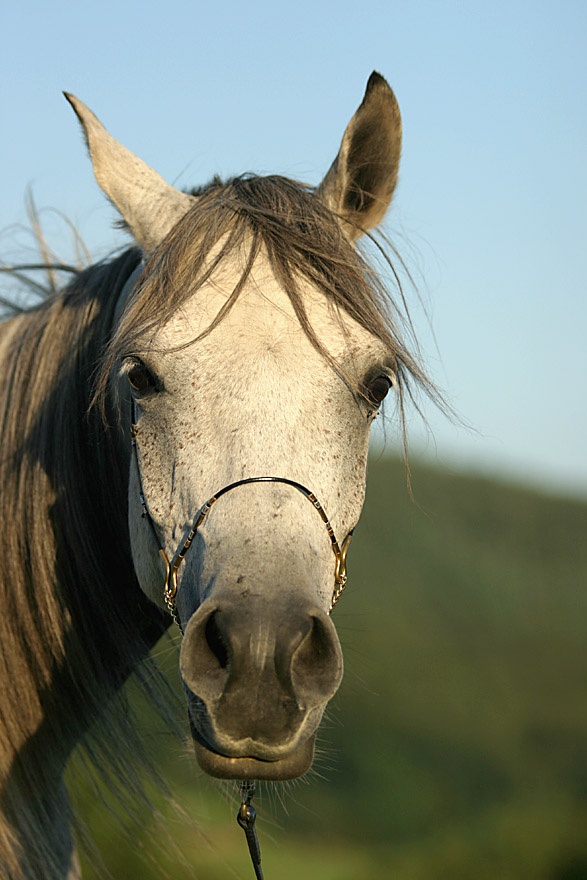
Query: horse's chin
{"x": 291, "y": 766}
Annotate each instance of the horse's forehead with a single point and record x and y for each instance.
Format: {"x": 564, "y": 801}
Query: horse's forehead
{"x": 263, "y": 321}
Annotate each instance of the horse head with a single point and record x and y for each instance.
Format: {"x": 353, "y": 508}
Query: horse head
{"x": 252, "y": 344}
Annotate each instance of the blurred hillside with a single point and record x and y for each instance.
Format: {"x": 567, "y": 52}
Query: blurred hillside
{"x": 457, "y": 745}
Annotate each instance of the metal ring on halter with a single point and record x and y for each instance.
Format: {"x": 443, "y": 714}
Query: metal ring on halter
{"x": 171, "y": 568}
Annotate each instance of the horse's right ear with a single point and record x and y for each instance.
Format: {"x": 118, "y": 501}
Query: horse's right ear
{"x": 149, "y": 205}
{"x": 361, "y": 180}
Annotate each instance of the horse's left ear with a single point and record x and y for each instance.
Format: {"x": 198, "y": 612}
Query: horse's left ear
{"x": 149, "y": 205}
{"x": 361, "y": 180}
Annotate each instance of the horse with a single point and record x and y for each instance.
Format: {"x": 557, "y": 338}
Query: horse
{"x": 184, "y": 432}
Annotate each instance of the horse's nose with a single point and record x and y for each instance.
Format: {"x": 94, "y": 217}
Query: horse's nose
{"x": 258, "y": 668}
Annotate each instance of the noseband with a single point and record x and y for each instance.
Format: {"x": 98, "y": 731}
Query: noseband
{"x": 172, "y": 567}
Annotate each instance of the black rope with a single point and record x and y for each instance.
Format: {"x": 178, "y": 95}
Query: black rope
{"x": 246, "y": 819}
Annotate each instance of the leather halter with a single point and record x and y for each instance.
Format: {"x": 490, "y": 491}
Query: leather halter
{"x": 172, "y": 567}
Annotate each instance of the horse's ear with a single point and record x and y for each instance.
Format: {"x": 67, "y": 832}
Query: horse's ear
{"x": 361, "y": 180}
{"x": 150, "y": 207}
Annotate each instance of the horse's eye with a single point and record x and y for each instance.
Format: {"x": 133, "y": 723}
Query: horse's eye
{"x": 140, "y": 378}
{"x": 377, "y": 389}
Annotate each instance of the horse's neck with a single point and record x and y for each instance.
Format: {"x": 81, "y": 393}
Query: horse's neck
{"x": 38, "y": 731}
{"x": 47, "y": 711}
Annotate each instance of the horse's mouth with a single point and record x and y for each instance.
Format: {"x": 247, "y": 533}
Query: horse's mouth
{"x": 221, "y": 766}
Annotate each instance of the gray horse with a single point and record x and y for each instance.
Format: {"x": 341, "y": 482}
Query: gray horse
{"x": 184, "y": 436}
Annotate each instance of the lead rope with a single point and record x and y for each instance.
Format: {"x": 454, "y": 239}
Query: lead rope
{"x": 246, "y": 819}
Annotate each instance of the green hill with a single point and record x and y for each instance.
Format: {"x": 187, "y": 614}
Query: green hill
{"x": 457, "y": 746}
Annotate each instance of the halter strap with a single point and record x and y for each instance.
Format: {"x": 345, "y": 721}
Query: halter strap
{"x": 172, "y": 567}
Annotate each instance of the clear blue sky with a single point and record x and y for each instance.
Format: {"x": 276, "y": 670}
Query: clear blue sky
{"x": 491, "y": 207}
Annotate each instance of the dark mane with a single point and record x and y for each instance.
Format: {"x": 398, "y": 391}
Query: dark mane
{"x": 69, "y": 594}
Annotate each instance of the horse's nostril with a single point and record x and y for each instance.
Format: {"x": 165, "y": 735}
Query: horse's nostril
{"x": 215, "y": 641}
{"x": 316, "y": 663}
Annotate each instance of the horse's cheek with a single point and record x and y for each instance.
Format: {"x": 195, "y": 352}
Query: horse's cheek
{"x": 146, "y": 561}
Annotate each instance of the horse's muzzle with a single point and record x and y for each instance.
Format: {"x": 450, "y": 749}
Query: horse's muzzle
{"x": 258, "y": 677}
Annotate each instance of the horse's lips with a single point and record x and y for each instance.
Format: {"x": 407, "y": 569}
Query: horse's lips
{"x": 223, "y": 767}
